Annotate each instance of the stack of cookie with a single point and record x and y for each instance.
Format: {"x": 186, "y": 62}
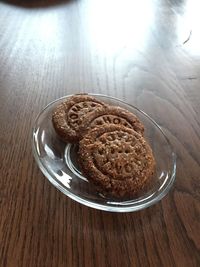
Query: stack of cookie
{"x": 113, "y": 153}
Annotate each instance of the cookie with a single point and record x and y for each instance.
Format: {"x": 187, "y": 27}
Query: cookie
{"x": 111, "y": 115}
{"x": 68, "y": 115}
{"x": 116, "y": 159}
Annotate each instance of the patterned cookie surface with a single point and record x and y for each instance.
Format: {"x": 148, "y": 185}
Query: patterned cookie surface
{"x": 116, "y": 159}
{"x": 111, "y": 115}
{"x": 68, "y": 115}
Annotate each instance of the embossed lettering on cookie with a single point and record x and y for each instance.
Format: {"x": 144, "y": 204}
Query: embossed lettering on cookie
{"x": 68, "y": 115}
{"x": 111, "y": 115}
{"x": 117, "y": 160}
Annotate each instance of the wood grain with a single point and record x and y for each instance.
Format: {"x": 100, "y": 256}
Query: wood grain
{"x": 146, "y": 52}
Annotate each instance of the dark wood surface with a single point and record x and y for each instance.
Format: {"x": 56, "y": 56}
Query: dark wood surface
{"x": 146, "y": 52}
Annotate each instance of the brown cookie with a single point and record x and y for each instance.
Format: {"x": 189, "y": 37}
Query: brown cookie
{"x": 111, "y": 115}
{"x": 68, "y": 115}
{"x": 116, "y": 159}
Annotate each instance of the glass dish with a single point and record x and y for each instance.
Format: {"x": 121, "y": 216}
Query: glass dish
{"x": 58, "y": 162}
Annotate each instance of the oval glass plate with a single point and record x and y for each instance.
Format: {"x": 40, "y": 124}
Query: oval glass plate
{"x": 58, "y": 162}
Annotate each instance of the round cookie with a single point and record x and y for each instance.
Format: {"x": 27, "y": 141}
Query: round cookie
{"x": 68, "y": 115}
{"x": 116, "y": 159}
{"x": 111, "y": 115}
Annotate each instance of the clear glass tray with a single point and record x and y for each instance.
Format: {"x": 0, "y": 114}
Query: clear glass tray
{"x": 58, "y": 162}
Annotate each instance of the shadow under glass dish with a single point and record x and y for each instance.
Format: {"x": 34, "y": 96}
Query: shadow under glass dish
{"x": 58, "y": 162}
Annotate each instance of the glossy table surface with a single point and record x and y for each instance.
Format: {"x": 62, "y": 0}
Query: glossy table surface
{"x": 145, "y": 52}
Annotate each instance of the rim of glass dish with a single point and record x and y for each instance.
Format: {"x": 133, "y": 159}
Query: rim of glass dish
{"x": 107, "y": 207}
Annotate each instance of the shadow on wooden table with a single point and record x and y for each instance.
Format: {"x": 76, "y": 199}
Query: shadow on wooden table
{"x": 37, "y": 3}
{"x": 111, "y": 222}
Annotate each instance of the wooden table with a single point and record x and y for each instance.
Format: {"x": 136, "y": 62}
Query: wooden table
{"x": 145, "y": 52}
